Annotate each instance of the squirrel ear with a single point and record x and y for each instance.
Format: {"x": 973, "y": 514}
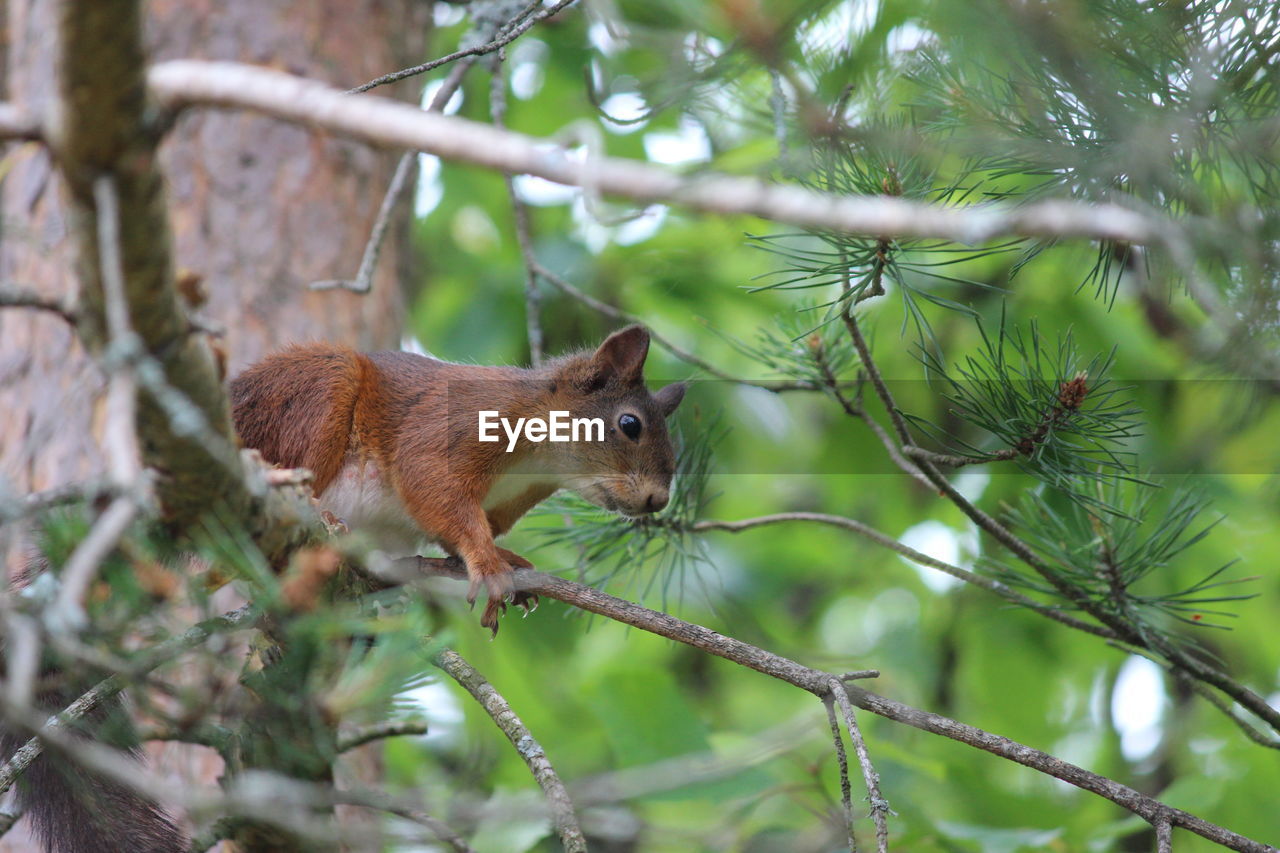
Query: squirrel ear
{"x": 669, "y": 397}
{"x": 622, "y": 355}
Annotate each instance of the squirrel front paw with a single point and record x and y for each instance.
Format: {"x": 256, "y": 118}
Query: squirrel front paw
{"x": 500, "y": 587}
{"x": 526, "y": 601}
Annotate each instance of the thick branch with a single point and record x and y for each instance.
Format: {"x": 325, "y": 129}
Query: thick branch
{"x": 105, "y": 131}
{"x": 818, "y": 682}
{"x": 380, "y": 122}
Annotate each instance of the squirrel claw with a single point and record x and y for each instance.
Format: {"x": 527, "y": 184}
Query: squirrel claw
{"x": 526, "y": 601}
{"x": 490, "y": 618}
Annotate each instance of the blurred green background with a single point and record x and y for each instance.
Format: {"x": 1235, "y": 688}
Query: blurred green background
{"x": 601, "y": 697}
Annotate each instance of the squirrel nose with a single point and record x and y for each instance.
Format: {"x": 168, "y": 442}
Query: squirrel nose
{"x": 657, "y": 500}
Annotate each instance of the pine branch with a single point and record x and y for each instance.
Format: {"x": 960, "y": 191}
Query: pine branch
{"x": 1124, "y": 631}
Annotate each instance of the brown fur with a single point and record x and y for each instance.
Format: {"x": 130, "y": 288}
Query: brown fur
{"x": 415, "y": 420}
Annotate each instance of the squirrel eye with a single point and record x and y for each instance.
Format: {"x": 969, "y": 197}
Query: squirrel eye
{"x": 630, "y": 426}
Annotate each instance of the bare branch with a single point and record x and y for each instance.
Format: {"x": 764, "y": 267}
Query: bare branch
{"x": 441, "y": 830}
{"x": 512, "y": 32}
{"x": 121, "y": 440}
{"x": 1164, "y": 836}
{"x": 562, "y": 284}
{"x": 879, "y": 805}
{"x": 524, "y": 238}
{"x": 82, "y": 566}
{"x": 990, "y": 584}
{"x": 378, "y": 731}
{"x": 818, "y": 683}
{"x": 954, "y": 461}
{"x": 405, "y": 170}
{"x": 20, "y": 297}
{"x": 363, "y": 281}
{"x": 842, "y": 760}
{"x": 222, "y": 84}
{"x": 38, "y": 502}
{"x": 855, "y": 409}
{"x": 562, "y": 815}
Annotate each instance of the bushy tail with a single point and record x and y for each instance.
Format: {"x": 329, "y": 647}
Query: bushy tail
{"x": 74, "y": 811}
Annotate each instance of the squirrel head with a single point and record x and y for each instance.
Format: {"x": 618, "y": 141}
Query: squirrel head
{"x": 630, "y": 470}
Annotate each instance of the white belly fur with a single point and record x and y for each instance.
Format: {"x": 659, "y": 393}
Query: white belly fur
{"x": 367, "y": 502}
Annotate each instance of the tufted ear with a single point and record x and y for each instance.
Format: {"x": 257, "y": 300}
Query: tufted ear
{"x": 622, "y": 355}
{"x": 669, "y": 397}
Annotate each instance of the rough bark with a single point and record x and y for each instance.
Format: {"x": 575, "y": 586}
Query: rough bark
{"x": 259, "y": 208}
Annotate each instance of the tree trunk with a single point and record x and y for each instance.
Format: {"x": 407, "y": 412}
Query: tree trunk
{"x": 259, "y": 209}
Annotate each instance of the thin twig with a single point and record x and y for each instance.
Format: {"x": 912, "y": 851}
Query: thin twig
{"x": 562, "y": 815}
{"x": 561, "y": 284}
{"x": 873, "y": 373}
{"x": 20, "y": 297}
{"x": 524, "y": 239}
{"x": 955, "y": 461}
{"x": 58, "y": 496}
{"x": 879, "y": 805}
{"x": 379, "y": 731}
{"x": 842, "y": 761}
{"x": 437, "y": 827}
{"x": 859, "y": 674}
{"x": 505, "y": 38}
{"x": 363, "y": 281}
{"x": 66, "y": 612}
{"x": 406, "y": 168}
{"x": 884, "y": 540}
{"x": 854, "y": 409}
{"x": 120, "y": 438}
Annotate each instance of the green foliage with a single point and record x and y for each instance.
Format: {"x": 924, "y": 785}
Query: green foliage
{"x": 1107, "y": 554}
{"x": 1059, "y": 415}
{"x": 1108, "y": 374}
{"x": 662, "y": 548}
{"x": 1160, "y": 107}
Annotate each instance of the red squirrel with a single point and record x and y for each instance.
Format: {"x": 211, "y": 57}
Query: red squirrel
{"x": 394, "y": 443}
